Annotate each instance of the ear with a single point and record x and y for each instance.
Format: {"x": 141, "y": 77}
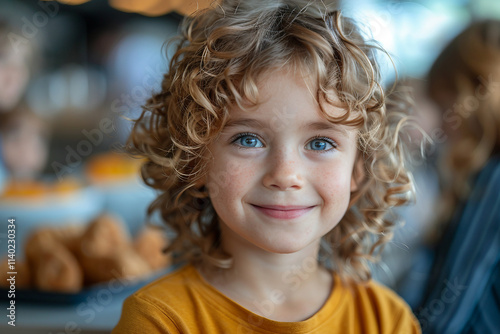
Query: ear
{"x": 358, "y": 173}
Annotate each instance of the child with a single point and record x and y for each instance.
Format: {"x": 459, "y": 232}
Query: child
{"x": 16, "y": 63}
{"x": 276, "y": 162}
{"x": 24, "y": 138}
{"x": 461, "y": 294}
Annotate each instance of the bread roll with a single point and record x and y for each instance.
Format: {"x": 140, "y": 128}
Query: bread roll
{"x": 104, "y": 237}
{"x": 125, "y": 264}
{"x": 149, "y": 244}
{"x": 57, "y": 269}
{"x": 23, "y": 274}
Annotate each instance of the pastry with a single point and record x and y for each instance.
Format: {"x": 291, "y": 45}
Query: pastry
{"x": 149, "y": 244}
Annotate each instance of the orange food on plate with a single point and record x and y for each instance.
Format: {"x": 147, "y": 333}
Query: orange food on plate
{"x": 67, "y": 185}
{"x": 112, "y": 166}
{"x": 25, "y": 189}
{"x": 33, "y": 189}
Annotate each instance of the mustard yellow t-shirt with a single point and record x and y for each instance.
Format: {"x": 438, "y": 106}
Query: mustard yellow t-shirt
{"x": 183, "y": 302}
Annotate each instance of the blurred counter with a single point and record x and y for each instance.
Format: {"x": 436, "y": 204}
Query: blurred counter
{"x": 98, "y": 310}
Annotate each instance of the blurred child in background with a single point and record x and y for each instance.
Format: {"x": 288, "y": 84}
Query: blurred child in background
{"x": 23, "y": 143}
{"x": 16, "y": 60}
{"x": 463, "y": 288}
{"x": 16, "y": 56}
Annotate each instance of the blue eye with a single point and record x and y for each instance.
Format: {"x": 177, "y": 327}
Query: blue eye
{"x": 321, "y": 144}
{"x": 248, "y": 140}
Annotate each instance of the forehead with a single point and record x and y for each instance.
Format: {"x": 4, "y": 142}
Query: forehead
{"x": 287, "y": 103}
{"x": 288, "y": 91}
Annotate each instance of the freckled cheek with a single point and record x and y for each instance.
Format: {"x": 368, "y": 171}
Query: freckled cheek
{"x": 333, "y": 184}
{"x": 230, "y": 180}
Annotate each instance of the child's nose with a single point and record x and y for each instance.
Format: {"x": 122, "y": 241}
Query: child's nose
{"x": 284, "y": 172}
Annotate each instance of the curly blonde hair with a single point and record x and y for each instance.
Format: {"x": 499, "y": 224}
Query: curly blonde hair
{"x": 222, "y": 53}
{"x": 462, "y": 82}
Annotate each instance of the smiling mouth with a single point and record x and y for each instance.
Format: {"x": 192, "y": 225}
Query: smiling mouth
{"x": 283, "y": 212}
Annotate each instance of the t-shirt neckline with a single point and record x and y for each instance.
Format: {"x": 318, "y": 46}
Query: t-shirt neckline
{"x": 239, "y": 313}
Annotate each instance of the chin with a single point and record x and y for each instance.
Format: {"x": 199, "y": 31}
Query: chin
{"x": 285, "y": 246}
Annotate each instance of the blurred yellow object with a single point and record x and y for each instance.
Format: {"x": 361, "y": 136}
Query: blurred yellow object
{"x": 110, "y": 167}
{"x": 25, "y": 189}
{"x": 160, "y": 7}
{"x": 67, "y": 185}
{"x": 71, "y": 2}
{"x": 153, "y": 7}
{"x": 38, "y": 189}
{"x": 189, "y": 7}
{"x": 146, "y": 7}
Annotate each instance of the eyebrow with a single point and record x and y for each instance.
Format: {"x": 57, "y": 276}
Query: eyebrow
{"x": 326, "y": 126}
{"x": 244, "y": 122}
{"x": 318, "y": 125}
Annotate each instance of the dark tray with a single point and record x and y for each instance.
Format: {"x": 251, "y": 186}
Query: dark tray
{"x": 102, "y": 291}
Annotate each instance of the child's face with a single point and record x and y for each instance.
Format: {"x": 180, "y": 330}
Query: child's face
{"x": 272, "y": 183}
{"x": 14, "y": 75}
{"x": 24, "y": 146}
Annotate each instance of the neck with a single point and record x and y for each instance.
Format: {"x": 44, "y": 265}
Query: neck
{"x": 260, "y": 280}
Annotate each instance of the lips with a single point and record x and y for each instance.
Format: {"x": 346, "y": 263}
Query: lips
{"x": 283, "y": 212}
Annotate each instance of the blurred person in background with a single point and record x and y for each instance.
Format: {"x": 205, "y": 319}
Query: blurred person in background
{"x": 23, "y": 143}
{"x": 16, "y": 55}
{"x": 461, "y": 293}
{"x": 16, "y": 61}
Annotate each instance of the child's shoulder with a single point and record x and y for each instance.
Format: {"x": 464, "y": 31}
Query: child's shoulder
{"x": 173, "y": 285}
{"x": 166, "y": 305}
{"x": 380, "y": 305}
{"x": 375, "y": 294}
